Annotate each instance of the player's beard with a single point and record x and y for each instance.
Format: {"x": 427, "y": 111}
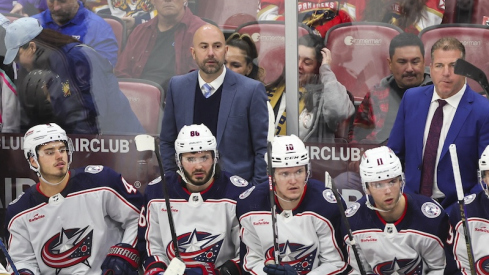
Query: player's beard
{"x": 201, "y": 182}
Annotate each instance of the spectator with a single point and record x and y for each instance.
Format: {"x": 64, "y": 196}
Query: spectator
{"x": 9, "y": 103}
{"x": 160, "y": 48}
{"x": 324, "y": 102}
{"x": 477, "y": 218}
{"x": 71, "y": 220}
{"x": 29, "y": 7}
{"x": 70, "y": 17}
{"x": 431, "y": 118}
{"x": 87, "y": 94}
{"x": 132, "y": 13}
{"x": 308, "y": 220}
{"x": 319, "y": 15}
{"x": 396, "y": 232}
{"x": 199, "y": 193}
{"x": 410, "y": 16}
{"x": 242, "y": 56}
{"x": 232, "y": 106}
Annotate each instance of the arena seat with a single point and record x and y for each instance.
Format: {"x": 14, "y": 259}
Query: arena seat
{"x": 473, "y": 36}
{"x": 146, "y": 100}
{"x": 269, "y": 38}
{"x": 119, "y": 28}
{"x": 450, "y": 15}
{"x": 359, "y": 52}
{"x": 228, "y": 14}
{"x": 12, "y": 16}
{"x": 480, "y": 8}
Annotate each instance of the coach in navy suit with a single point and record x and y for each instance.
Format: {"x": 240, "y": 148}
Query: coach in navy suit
{"x": 465, "y": 123}
{"x": 232, "y": 106}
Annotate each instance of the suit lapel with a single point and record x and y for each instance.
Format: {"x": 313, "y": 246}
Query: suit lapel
{"x": 229, "y": 88}
{"x": 463, "y": 110}
{"x": 421, "y": 114}
{"x": 188, "y": 96}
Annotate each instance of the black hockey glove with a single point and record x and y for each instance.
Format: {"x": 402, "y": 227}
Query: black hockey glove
{"x": 122, "y": 259}
{"x": 275, "y": 269}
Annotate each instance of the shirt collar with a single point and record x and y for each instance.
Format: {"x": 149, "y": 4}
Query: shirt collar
{"x": 216, "y": 83}
{"x": 454, "y": 100}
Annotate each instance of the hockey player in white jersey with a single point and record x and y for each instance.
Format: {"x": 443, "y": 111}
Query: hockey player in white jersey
{"x": 477, "y": 215}
{"x": 78, "y": 221}
{"x": 203, "y": 204}
{"x": 395, "y": 232}
{"x": 308, "y": 219}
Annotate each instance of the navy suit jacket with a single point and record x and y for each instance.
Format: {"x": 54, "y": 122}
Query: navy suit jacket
{"x": 242, "y": 124}
{"x": 469, "y": 131}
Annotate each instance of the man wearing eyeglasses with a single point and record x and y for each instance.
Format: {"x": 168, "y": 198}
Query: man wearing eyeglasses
{"x": 203, "y": 202}
{"x": 395, "y": 232}
{"x": 308, "y": 219}
{"x": 72, "y": 219}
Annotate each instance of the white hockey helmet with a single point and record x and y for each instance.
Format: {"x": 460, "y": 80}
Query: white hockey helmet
{"x": 288, "y": 151}
{"x": 483, "y": 168}
{"x": 379, "y": 164}
{"x": 43, "y": 134}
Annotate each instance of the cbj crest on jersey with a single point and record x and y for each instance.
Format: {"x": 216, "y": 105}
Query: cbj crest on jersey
{"x": 482, "y": 266}
{"x": 400, "y": 266}
{"x": 68, "y": 248}
{"x": 197, "y": 246}
{"x": 299, "y": 256}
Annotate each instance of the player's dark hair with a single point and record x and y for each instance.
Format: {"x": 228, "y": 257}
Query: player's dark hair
{"x": 245, "y": 43}
{"x": 448, "y": 44}
{"x": 405, "y": 39}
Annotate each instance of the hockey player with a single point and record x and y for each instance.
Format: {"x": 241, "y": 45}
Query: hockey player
{"x": 72, "y": 220}
{"x": 395, "y": 233}
{"x": 477, "y": 215}
{"x": 308, "y": 218}
{"x": 203, "y": 202}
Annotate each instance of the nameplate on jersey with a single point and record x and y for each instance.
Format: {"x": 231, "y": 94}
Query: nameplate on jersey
{"x": 56, "y": 199}
{"x": 195, "y": 200}
{"x": 238, "y": 181}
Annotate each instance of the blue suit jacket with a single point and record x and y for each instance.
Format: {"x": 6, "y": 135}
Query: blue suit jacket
{"x": 242, "y": 125}
{"x": 469, "y": 131}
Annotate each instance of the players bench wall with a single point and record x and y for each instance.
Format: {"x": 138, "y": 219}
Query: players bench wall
{"x": 139, "y": 168}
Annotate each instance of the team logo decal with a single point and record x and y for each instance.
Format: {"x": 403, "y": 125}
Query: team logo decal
{"x": 94, "y": 169}
{"x": 329, "y": 196}
{"x": 197, "y": 246}
{"x": 400, "y": 266}
{"x": 246, "y": 193}
{"x": 352, "y": 209}
{"x": 239, "y": 181}
{"x": 68, "y": 248}
{"x": 469, "y": 198}
{"x": 297, "y": 255}
{"x": 482, "y": 266}
{"x": 65, "y": 87}
{"x": 430, "y": 209}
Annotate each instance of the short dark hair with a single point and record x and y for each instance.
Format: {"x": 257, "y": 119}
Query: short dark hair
{"x": 405, "y": 39}
{"x": 313, "y": 41}
{"x": 447, "y": 44}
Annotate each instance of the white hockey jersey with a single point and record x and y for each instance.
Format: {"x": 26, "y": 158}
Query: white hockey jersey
{"x": 309, "y": 237}
{"x": 415, "y": 244}
{"x": 477, "y": 214}
{"x": 206, "y": 226}
{"x": 71, "y": 232}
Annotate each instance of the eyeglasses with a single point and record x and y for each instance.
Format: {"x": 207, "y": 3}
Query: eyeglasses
{"x": 288, "y": 175}
{"x": 382, "y": 185}
{"x": 51, "y": 151}
{"x": 196, "y": 160}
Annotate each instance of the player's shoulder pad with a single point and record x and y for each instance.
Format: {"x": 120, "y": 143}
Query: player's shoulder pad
{"x": 238, "y": 181}
{"x": 352, "y": 209}
{"x": 316, "y": 190}
{"x": 469, "y": 198}
{"x": 426, "y": 205}
{"x": 155, "y": 181}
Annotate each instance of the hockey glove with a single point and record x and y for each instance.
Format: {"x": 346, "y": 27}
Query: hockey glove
{"x": 275, "y": 269}
{"x": 122, "y": 259}
{"x": 201, "y": 269}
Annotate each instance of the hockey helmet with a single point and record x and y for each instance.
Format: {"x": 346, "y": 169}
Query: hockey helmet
{"x": 379, "y": 164}
{"x": 288, "y": 151}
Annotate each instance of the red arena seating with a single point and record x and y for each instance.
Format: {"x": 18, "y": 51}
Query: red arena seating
{"x": 119, "y": 29}
{"x": 269, "y": 38}
{"x": 480, "y": 8}
{"x": 146, "y": 100}
{"x": 228, "y": 14}
{"x": 474, "y": 37}
{"x": 359, "y": 52}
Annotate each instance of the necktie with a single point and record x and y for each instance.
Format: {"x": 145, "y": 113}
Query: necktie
{"x": 207, "y": 90}
{"x": 431, "y": 150}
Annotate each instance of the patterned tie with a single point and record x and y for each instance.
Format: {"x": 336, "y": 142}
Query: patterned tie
{"x": 431, "y": 150}
{"x": 208, "y": 89}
